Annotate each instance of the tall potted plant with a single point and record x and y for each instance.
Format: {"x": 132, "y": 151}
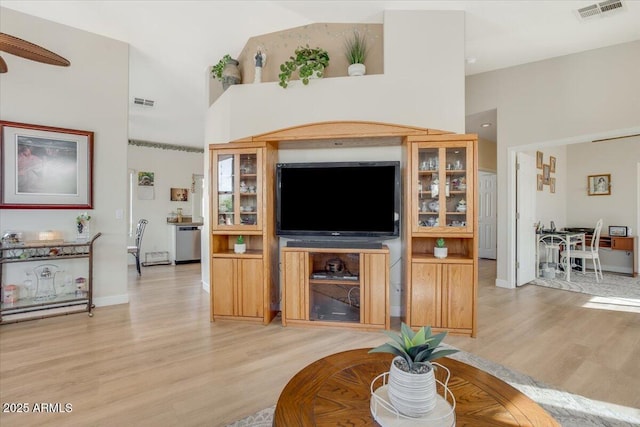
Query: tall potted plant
{"x": 356, "y": 52}
{"x": 309, "y": 62}
{"x": 412, "y": 384}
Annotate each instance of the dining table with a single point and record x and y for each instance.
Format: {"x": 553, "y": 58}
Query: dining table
{"x": 559, "y": 240}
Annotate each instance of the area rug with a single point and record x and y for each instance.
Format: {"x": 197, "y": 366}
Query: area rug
{"x": 611, "y": 286}
{"x": 570, "y": 410}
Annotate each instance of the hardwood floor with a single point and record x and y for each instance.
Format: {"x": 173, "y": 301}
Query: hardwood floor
{"x": 159, "y": 362}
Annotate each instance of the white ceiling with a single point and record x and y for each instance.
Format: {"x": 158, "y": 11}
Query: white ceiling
{"x": 173, "y": 43}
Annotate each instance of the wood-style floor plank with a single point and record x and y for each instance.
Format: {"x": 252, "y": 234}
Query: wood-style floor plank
{"x": 158, "y": 361}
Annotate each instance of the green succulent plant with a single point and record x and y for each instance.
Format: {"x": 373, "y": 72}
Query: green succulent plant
{"x": 416, "y": 348}
{"x": 240, "y": 240}
{"x": 356, "y": 49}
{"x": 307, "y": 61}
{"x": 440, "y": 243}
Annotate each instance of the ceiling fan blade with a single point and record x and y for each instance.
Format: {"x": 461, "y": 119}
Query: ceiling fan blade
{"x": 3, "y": 66}
{"x": 25, "y": 49}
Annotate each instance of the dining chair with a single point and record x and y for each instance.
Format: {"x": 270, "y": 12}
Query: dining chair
{"x": 135, "y": 250}
{"x": 589, "y": 252}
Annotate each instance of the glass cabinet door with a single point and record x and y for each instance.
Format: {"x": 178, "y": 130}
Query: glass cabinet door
{"x": 442, "y": 186}
{"x": 429, "y": 194}
{"x": 238, "y": 189}
{"x": 456, "y": 184}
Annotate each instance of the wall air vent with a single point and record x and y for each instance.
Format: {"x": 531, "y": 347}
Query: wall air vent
{"x": 145, "y": 102}
{"x": 605, "y": 8}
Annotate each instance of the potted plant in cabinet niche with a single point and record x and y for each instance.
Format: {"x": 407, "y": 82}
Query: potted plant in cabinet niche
{"x": 309, "y": 62}
{"x": 240, "y": 246}
{"x": 412, "y": 384}
{"x": 440, "y": 250}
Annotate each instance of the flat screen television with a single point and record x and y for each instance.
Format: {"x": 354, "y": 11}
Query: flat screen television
{"x": 338, "y": 199}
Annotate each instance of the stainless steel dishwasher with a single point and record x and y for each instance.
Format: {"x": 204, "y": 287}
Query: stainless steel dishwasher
{"x": 187, "y": 243}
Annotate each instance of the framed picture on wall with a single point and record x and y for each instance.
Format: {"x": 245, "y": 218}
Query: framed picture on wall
{"x": 599, "y": 185}
{"x": 45, "y": 167}
{"x": 539, "y": 182}
{"x": 546, "y": 174}
{"x": 539, "y": 159}
{"x": 552, "y": 164}
{"x": 179, "y": 194}
{"x": 552, "y": 185}
{"x": 617, "y": 231}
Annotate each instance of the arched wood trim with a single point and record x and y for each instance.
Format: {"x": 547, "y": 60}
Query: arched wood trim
{"x": 342, "y": 130}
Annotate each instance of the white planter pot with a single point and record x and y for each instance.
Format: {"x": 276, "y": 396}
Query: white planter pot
{"x": 440, "y": 252}
{"x": 240, "y": 248}
{"x": 413, "y": 395}
{"x": 357, "y": 70}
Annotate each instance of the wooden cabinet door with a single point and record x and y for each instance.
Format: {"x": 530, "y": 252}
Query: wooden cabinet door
{"x": 424, "y": 299}
{"x": 622, "y": 243}
{"x": 458, "y": 296}
{"x": 250, "y": 287}
{"x": 375, "y": 283}
{"x": 237, "y": 189}
{"x": 223, "y": 294}
{"x": 294, "y": 284}
{"x": 442, "y": 187}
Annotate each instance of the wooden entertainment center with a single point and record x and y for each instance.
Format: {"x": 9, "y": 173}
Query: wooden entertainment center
{"x": 439, "y": 176}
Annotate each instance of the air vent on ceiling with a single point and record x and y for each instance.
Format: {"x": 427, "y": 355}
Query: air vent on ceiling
{"x": 145, "y": 102}
{"x": 601, "y": 9}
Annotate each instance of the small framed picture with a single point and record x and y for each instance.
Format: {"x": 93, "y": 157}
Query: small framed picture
{"x": 552, "y": 185}
{"x": 179, "y": 194}
{"x": 617, "y": 231}
{"x": 599, "y": 185}
{"x": 539, "y": 159}
{"x": 546, "y": 174}
{"x": 552, "y": 164}
{"x": 540, "y": 185}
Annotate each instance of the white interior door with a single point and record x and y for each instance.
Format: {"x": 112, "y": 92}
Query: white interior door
{"x": 487, "y": 217}
{"x": 525, "y": 218}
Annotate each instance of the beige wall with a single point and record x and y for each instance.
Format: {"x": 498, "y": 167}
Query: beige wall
{"x": 566, "y": 99}
{"x": 90, "y": 95}
{"x": 487, "y": 160}
{"x": 279, "y": 46}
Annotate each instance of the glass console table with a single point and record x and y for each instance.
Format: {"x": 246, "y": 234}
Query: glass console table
{"x": 46, "y": 300}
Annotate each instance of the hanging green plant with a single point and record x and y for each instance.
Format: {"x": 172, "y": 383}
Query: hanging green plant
{"x": 307, "y": 61}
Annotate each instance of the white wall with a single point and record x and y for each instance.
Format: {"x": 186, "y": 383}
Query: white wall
{"x": 172, "y": 169}
{"x": 553, "y": 206}
{"x": 618, "y": 158}
{"x": 565, "y": 99}
{"x": 424, "y": 89}
{"x": 90, "y": 95}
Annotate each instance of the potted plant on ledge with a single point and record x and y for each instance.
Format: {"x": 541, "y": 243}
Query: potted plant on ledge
{"x": 412, "y": 384}
{"x": 440, "y": 250}
{"x": 226, "y": 70}
{"x": 309, "y": 62}
{"x": 356, "y": 53}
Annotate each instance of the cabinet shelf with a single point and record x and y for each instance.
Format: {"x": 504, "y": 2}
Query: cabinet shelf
{"x": 231, "y": 254}
{"x": 451, "y": 258}
{"x": 335, "y": 282}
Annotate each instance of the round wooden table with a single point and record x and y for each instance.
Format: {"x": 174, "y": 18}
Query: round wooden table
{"x": 334, "y": 391}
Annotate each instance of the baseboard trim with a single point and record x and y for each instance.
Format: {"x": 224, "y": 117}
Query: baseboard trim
{"x": 111, "y": 300}
{"x": 504, "y": 284}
